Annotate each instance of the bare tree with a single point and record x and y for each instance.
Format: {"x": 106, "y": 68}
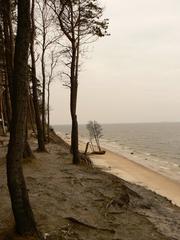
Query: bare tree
{"x": 54, "y": 56}
{"x": 95, "y": 132}
{"x": 40, "y": 136}
{"x": 48, "y": 38}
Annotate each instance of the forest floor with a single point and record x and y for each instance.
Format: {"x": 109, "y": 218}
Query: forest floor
{"x": 84, "y": 203}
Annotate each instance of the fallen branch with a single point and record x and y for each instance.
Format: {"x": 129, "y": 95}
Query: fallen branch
{"x": 74, "y": 220}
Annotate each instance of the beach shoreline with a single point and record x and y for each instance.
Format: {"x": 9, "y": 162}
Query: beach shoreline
{"x": 136, "y": 173}
{"x": 165, "y": 167}
{"x": 155, "y": 146}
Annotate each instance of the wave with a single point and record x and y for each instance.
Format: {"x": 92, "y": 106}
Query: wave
{"x": 147, "y": 159}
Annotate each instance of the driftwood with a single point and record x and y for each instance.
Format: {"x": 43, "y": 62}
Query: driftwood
{"x": 86, "y": 149}
{"x": 99, "y": 152}
{"x": 78, "y": 221}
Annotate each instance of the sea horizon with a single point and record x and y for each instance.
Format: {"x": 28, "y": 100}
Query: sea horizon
{"x": 107, "y": 123}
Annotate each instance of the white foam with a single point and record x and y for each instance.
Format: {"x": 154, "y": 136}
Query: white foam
{"x": 146, "y": 159}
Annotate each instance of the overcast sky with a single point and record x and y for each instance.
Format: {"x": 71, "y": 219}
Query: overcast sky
{"x": 133, "y": 75}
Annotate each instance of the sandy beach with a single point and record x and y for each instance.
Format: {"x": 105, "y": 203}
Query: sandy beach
{"x": 138, "y": 174}
{"x": 135, "y": 173}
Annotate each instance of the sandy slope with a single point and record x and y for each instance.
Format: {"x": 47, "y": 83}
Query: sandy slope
{"x": 138, "y": 174}
{"x": 79, "y": 203}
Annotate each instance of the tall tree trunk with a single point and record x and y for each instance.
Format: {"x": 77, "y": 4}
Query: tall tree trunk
{"x": 73, "y": 104}
{"x": 25, "y": 223}
{"x": 30, "y": 111}
{"x": 48, "y": 109}
{"x": 9, "y": 42}
{"x": 74, "y": 88}
{"x": 9, "y": 51}
{"x": 40, "y": 136}
{"x": 43, "y": 73}
{"x": 74, "y": 140}
{"x": 43, "y": 94}
{"x": 7, "y": 104}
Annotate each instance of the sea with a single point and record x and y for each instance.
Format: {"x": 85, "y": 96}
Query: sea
{"x": 154, "y": 145}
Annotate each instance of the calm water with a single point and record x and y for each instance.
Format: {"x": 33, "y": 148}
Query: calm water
{"x": 156, "y": 145}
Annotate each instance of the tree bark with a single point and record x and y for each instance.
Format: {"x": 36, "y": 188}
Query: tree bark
{"x": 24, "y": 219}
{"x": 73, "y": 104}
{"x": 7, "y": 105}
{"x": 40, "y": 136}
{"x": 8, "y": 54}
{"x": 43, "y": 73}
{"x": 9, "y": 42}
{"x": 30, "y": 111}
{"x": 43, "y": 93}
{"x": 74, "y": 89}
{"x": 48, "y": 109}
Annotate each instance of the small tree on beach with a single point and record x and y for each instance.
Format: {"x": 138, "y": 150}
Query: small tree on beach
{"x": 95, "y": 132}
{"x": 89, "y": 127}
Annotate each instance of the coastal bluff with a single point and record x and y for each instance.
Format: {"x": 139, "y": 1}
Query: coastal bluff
{"x": 78, "y": 202}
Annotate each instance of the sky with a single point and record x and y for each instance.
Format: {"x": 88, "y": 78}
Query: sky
{"x": 132, "y": 75}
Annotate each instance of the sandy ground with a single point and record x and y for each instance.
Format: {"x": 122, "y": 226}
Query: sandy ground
{"x": 79, "y": 203}
{"x": 138, "y": 174}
